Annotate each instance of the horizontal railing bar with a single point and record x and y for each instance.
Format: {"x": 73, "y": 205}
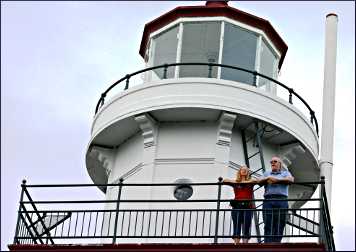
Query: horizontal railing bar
{"x": 158, "y": 200}
{"x": 167, "y": 236}
{"x": 152, "y": 184}
{"x": 160, "y": 210}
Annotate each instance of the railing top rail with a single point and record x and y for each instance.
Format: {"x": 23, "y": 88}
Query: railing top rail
{"x": 155, "y": 184}
{"x": 254, "y": 73}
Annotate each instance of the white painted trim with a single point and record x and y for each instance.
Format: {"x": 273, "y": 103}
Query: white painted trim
{"x": 222, "y": 33}
{"x": 184, "y": 160}
{"x": 258, "y": 58}
{"x": 179, "y": 49}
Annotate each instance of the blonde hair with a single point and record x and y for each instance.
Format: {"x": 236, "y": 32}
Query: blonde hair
{"x": 238, "y": 176}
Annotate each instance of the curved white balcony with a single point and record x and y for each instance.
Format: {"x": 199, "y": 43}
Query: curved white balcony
{"x": 204, "y": 93}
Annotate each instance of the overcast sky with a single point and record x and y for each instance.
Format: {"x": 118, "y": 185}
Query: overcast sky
{"x": 57, "y": 58}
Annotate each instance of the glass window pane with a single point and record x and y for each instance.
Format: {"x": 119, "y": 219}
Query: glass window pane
{"x": 268, "y": 63}
{"x": 201, "y": 41}
{"x": 239, "y": 50}
{"x": 165, "y": 51}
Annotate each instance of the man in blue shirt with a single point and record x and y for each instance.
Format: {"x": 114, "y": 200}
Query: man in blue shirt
{"x": 275, "y": 206}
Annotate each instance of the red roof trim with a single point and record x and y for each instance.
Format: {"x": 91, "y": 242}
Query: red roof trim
{"x": 214, "y": 11}
{"x": 171, "y": 247}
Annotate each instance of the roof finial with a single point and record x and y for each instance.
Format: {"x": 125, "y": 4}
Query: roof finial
{"x": 221, "y": 3}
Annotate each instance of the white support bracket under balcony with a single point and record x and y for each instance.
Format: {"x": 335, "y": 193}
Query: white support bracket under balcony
{"x": 223, "y": 141}
{"x": 149, "y": 129}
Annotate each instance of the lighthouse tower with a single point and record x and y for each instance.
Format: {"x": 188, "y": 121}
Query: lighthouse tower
{"x": 187, "y": 121}
{"x": 206, "y": 105}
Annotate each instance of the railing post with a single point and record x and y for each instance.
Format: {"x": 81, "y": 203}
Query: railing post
{"x": 325, "y": 222}
{"x": 210, "y": 71}
{"x": 217, "y": 211}
{"x": 255, "y": 78}
{"x": 321, "y": 214}
{"x": 312, "y": 115}
{"x": 16, "y": 241}
{"x": 127, "y": 81}
{"x": 117, "y": 210}
{"x": 165, "y": 71}
{"x": 102, "y": 98}
{"x": 290, "y": 95}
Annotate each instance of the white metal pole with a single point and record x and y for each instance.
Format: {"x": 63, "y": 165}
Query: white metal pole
{"x": 327, "y": 137}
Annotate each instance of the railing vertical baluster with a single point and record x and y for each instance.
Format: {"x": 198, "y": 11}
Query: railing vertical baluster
{"x": 83, "y": 221}
{"x": 117, "y": 209}
{"x": 96, "y": 222}
{"x": 255, "y": 78}
{"x": 169, "y": 222}
{"x": 162, "y": 223}
{"x": 149, "y": 223}
{"x": 102, "y": 99}
{"x": 210, "y": 71}
{"x": 190, "y": 216}
{"x": 202, "y": 225}
{"x": 230, "y": 210}
{"x": 89, "y": 222}
{"x": 62, "y": 228}
{"x": 176, "y": 224}
{"x": 311, "y": 116}
{"x": 210, "y": 222}
{"x": 183, "y": 222}
{"x": 129, "y": 224}
{"x": 314, "y": 221}
{"x": 102, "y": 224}
{"x": 165, "y": 71}
{"x": 290, "y": 95}
{"x": 127, "y": 81}
{"x": 156, "y": 223}
{"x": 217, "y": 210}
{"x": 76, "y": 222}
{"x": 108, "y": 229}
{"x": 196, "y": 223}
{"x": 122, "y": 222}
{"x": 135, "y": 223}
{"x": 223, "y": 230}
{"x": 143, "y": 221}
{"x": 18, "y": 215}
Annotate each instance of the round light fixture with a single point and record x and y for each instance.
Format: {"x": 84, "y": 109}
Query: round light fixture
{"x": 183, "y": 191}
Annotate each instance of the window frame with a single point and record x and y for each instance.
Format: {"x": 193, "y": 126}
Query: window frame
{"x": 260, "y": 33}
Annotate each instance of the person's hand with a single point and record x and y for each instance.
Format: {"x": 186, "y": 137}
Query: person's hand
{"x": 271, "y": 180}
{"x": 261, "y": 181}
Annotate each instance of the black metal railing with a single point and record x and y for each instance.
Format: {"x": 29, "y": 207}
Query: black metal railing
{"x": 132, "y": 217}
{"x": 210, "y": 66}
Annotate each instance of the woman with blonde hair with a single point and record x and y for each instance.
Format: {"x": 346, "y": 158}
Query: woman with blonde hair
{"x": 241, "y": 213}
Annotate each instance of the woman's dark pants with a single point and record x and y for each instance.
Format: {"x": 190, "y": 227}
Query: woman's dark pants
{"x": 241, "y": 217}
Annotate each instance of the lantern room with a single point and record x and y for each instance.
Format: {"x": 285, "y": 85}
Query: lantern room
{"x": 214, "y": 33}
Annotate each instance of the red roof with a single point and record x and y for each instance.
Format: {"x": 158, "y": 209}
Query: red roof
{"x": 214, "y": 9}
